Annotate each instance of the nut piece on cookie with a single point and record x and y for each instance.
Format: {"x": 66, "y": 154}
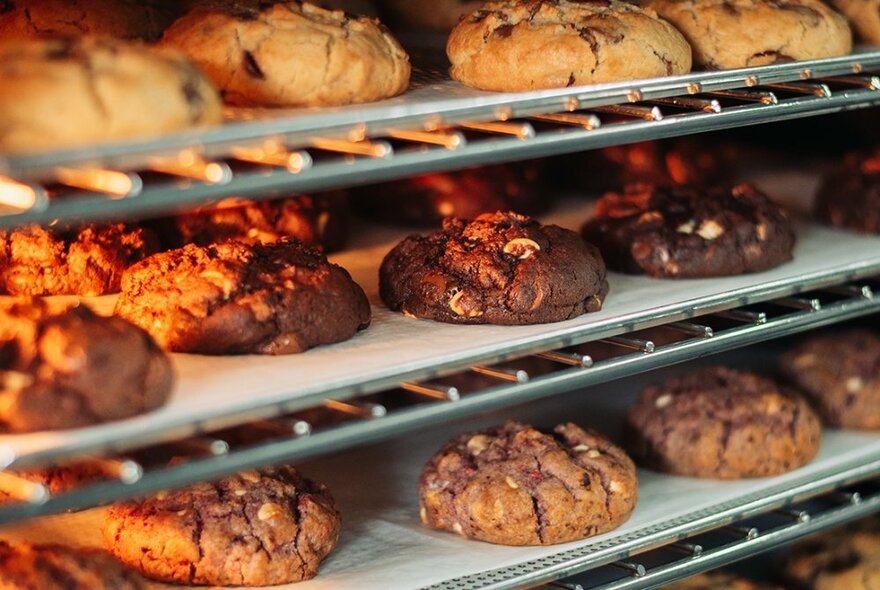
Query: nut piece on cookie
{"x": 292, "y": 54}
{"x": 689, "y": 232}
{"x": 513, "y": 45}
{"x": 745, "y": 33}
{"x": 500, "y": 268}
{"x": 258, "y": 528}
{"x": 840, "y": 373}
{"x": 849, "y": 196}
{"x": 282, "y": 297}
{"x": 722, "y": 423}
{"x": 514, "y": 485}
{"x": 67, "y": 368}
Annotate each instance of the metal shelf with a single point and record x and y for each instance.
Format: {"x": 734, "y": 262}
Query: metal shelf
{"x": 436, "y": 127}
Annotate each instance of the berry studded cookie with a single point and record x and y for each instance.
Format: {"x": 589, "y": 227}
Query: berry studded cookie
{"x": 687, "y": 232}
{"x": 722, "y": 423}
{"x": 257, "y": 528}
{"x": 514, "y": 485}
{"x": 500, "y": 268}
{"x": 849, "y": 197}
{"x": 24, "y": 566}
{"x": 513, "y": 45}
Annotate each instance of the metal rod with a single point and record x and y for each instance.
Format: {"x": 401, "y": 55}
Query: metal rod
{"x": 692, "y": 329}
{"x": 747, "y": 533}
{"x": 441, "y": 392}
{"x": 638, "y": 344}
{"x": 567, "y": 358}
{"x": 859, "y": 291}
{"x": 629, "y": 110}
{"x": 852, "y": 498}
{"x": 371, "y": 149}
{"x": 356, "y": 408}
{"x": 746, "y": 95}
{"x": 191, "y": 165}
{"x": 685, "y": 548}
{"x": 636, "y": 570}
{"x": 22, "y": 489}
{"x": 867, "y": 82}
{"x": 799, "y": 303}
{"x": 810, "y": 88}
{"x": 801, "y": 516}
{"x": 741, "y": 315}
{"x": 19, "y": 196}
{"x": 109, "y": 182}
{"x": 451, "y": 140}
{"x": 710, "y": 105}
{"x": 565, "y": 585}
{"x": 274, "y": 154}
{"x": 587, "y": 121}
{"x": 511, "y": 375}
{"x": 205, "y": 446}
{"x": 518, "y": 130}
{"x": 127, "y": 471}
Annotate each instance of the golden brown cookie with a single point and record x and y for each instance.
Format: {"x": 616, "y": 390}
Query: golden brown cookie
{"x": 63, "y": 93}
{"x": 292, "y": 54}
{"x": 257, "y": 528}
{"x": 514, "y": 485}
{"x": 849, "y": 195}
{"x": 24, "y": 566}
{"x": 512, "y": 45}
{"x": 432, "y": 15}
{"x": 744, "y": 33}
{"x": 864, "y": 17}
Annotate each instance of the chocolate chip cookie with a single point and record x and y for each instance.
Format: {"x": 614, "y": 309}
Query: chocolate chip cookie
{"x": 432, "y": 15}
{"x": 689, "y": 232}
{"x": 840, "y": 373}
{"x": 83, "y": 261}
{"x": 722, "y": 423}
{"x": 65, "y": 367}
{"x": 427, "y": 200}
{"x": 863, "y": 16}
{"x": 500, "y": 268}
{"x": 513, "y": 45}
{"x": 257, "y": 528}
{"x": 514, "y": 485}
{"x": 745, "y": 33}
{"x": 64, "y": 93}
{"x": 24, "y": 566}
{"x": 718, "y": 580}
{"x": 235, "y": 298}
{"x": 849, "y": 197}
{"x": 292, "y": 54}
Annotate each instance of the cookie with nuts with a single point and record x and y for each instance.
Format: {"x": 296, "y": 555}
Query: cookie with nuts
{"x": 840, "y": 373}
{"x": 515, "y": 485}
{"x": 722, "y": 423}
{"x": 257, "y": 528}
{"x": 500, "y": 268}
{"x": 688, "y": 232}
{"x": 849, "y": 195}
{"x": 282, "y": 297}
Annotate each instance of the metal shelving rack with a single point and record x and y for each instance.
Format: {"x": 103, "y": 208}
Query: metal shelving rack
{"x": 438, "y": 126}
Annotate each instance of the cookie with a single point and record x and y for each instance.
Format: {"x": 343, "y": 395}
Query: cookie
{"x": 863, "y": 16}
{"x": 427, "y": 200}
{"x": 292, "y": 54}
{"x": 258, "y": 528}
{"x": 65, "y": 367}
{"x": 320, "y": 220}
{"x": 124, "y": 19}
{"x": 514, "y": 485}
{"x": 24, "y": 566}
{"x": 235, "y": 298}
{"x": 746, "y": 33}
{"x": 86, "y": 261}
{"x": 722, "y": 423}
{"x": 718, "y": 580}
{"x": 431, "y": 15}
{"x": 64, "y": 93}
{"x": 840, "y": 373}
{"x": 513, "y": 45}
{"x": 500, "y": 268}
{"x": 847, "y": 558}
{"x": 849, "y": 196}
{"x": 688, "y": 232}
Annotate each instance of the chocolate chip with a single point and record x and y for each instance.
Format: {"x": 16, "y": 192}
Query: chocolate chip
{"x": 504, "y": 31}
{"x": 777, "y": 56}
{"x": 252, "y": 67}
{"x": 570, "y": 79}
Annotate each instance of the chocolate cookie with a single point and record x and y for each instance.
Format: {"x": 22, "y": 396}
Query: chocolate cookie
{"x": 258, "y": 528}
{"x": 722, "y": 423}
{"x": 292, "y": 54}
{"x": 320, "y": 220}
{"x": 87, "y": 261}
{"x": 840, "y": 373}
{"x": 849, "y": 197}
{"x": 64, "y": 93}
{"x": 718, "y": 580}
{"x": 686, "y": 232}
{"x": 514, "y": 485}
{"x": 52, "y": 567}
{"x": 863, "y": 16}
{"x": 427, "y": 200}
{"x": 513, "y": 45}
{"x": 67, "y": 368}
{"x": 237, "y": 298}
{"x": 745, "y": 33}
{"x": 501, "y": 268}
{"x": 847, "y": 558}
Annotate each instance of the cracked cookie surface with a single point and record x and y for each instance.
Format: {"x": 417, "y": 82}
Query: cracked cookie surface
{"x": 282, "y": 297}
{"x": 722, "y": 423}
{"x": 849, "y": 197}
{"x": 687, "y": 232}
{"x": 292, "y": 54}
{"x": 87, "y": 261}
{"x": 745, "y": 33}
{"x": 514, "y": 485}
{"x": 513, "y": 45}
{"x": 257, "y": 528}
{"x": 65, "y": 367}
{"x": 840, "y": 373}
{"x": 500, "y": 268}
{"x": 63, "y": 93}
{"x": 24, "y": 566}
